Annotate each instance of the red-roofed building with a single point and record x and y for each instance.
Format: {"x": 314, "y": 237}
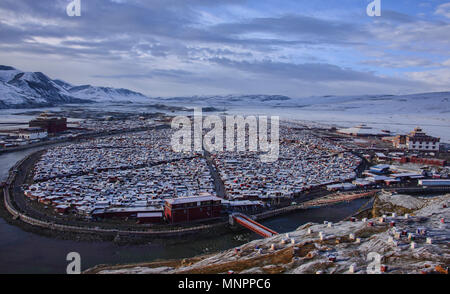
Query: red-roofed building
{"x": 50, "y": 122}
{"x": 188, "y": 209}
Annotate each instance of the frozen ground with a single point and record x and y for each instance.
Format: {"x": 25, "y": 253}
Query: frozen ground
{"x": 399, "y": 114}
{"x": 435, "y": 125}
{"x": 345, "y": 247}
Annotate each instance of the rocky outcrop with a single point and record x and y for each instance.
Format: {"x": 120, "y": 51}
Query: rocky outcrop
{"x": 394, "y": 203}
{"x": 415, "y": 243}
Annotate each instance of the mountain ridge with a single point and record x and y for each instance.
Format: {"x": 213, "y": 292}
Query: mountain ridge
{"x": 430, "y": 103}
{"x": 19, "y": 89}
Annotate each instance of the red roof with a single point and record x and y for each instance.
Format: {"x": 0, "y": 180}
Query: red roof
{"x": 182, "y": 200}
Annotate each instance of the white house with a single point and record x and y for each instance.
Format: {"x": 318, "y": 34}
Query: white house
{"x": 32, "y": 133}
{"x": 418, "y": 140}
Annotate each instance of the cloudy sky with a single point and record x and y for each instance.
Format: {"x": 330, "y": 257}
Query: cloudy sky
{"x": 197, "y": 47}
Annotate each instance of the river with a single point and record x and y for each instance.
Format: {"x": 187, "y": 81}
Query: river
{"x": 25, "y": 252}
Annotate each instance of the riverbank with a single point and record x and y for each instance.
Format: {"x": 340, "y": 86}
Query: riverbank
{"x": 21, "y": 243}
{"x": 21, "y": 208}
{"x": 31, "y": 213}
{"x": 19, "y": 248}
{"x": 23, "y": 213}
{"x": 417, "y": 243}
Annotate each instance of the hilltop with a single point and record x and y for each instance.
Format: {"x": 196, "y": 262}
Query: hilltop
{"x": 344, "y": 245}
{"x": 20, "y": 89}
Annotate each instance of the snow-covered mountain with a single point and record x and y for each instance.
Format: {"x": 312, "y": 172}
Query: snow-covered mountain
{"x": 426, "y": 103}
{"x": 105, "y": 94}
{"x": 218, "y": 100}
{"x": 437, "y": 103}
{"x": 20, "y": 89}
{"x": 398, "y": 113}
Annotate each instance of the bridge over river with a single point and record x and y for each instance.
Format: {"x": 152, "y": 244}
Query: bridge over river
{"x": 252, "y": 225}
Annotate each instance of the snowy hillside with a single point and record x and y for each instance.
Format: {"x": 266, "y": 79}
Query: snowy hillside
{"x": 234, "y": 100}
{"x": 31, "y": 89}
{"x": 104, "y": 94}
{"x": 34, "y": 89}
{"x": 427, "y": 103}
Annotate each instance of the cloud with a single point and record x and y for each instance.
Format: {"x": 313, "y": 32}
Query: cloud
{"x": 444, "y": 10}
{"x": 307, "y": 71}
{"x": 166, "y": 73}
{"x": 420, "y": 36}
{"x": 298, "y": 28}
{"x": 315, "y": 73}
{"x": 396, "y": 17}
{"x": 438, "y": 78}
{"x": 399, "y": 61}
{"x": 177, "y": 46}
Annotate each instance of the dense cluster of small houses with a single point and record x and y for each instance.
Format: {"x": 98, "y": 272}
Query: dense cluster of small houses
{"x": 115, "y": 125}
{"x": 135, "y": 174}
{"x": 146, "y": 188}
{"x": 121, "y": 151}
{"x": 305, "y": 161}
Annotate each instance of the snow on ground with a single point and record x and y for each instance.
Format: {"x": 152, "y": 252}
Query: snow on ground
{"x": 344, "y": 245}
{"x": 404, "y": 201}
{"x": 7, "y": 75}
{"x": 399, "y": 114}
{"x": 103, "y": 94}
{"x": 37, "y": 89}
{"x": 434, "y": 103}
